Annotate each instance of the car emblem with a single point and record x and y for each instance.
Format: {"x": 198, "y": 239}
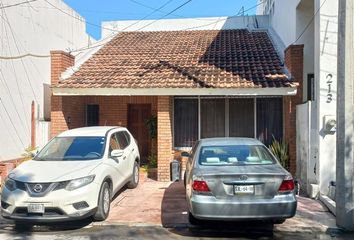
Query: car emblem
{"x": 37, "y": 188}
{"x": 243, "y": 177}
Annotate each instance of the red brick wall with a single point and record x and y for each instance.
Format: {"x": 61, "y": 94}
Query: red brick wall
{"x": 164, "y": 141}
{"x": 60, "y": 61}
{"x": 294, "y": 63}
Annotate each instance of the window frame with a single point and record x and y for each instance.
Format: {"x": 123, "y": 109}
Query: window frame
{"x": 226, "y": 98}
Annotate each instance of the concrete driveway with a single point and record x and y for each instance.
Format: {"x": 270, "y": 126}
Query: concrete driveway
{"x": 158, "y": 210}
{"x": 163, "y": 203}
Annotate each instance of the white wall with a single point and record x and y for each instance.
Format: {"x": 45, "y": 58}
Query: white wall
{"x": 288, "y": 20}
{"x": 212, "y": 23}
{"x": 326, "y": 25}
{"x": 36, "y": 28}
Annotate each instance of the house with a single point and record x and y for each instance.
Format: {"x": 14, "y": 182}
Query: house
{"x": 313, "y": 23}
{"x": 28, "y": 31}
{"x": 198, "y": 83}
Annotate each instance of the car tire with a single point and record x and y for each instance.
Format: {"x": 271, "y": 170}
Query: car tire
{"x": 185, "y": 180}
{"x": 23, "y": 226}
{"x": 133, "y": 183}
{"x": 278, "y": 221}
{"x": 192, "y": 220}
{"x": 104, "y": 202}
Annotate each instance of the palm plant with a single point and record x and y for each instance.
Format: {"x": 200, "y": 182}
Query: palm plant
{"x": 281, "y": 151}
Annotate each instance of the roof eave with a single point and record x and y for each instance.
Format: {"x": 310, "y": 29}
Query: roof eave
{"x": 270, "y": 91}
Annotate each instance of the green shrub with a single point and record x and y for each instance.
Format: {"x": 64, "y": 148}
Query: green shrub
{"x": 281, "y": 151}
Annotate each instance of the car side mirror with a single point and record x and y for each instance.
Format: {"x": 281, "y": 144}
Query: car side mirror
{"x": 184, "y": 154}
{"x": 117, "y": 153}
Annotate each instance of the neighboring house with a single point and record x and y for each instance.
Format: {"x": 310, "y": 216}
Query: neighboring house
{"x": 313, "y": 23}
{"x": 198, "y": 83}
{"x": 31, "y": 28}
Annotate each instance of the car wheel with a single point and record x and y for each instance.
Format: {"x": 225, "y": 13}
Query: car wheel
{"x": 184, "y": 180}
{"x": 135, "y": 178}
{"x": 193, "y": 220}
{"x": 279, "y": 221}
{"x": 104, "y": 202}
{"x": 23, "y": 226}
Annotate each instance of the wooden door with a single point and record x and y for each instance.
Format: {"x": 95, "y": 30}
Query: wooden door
{"x": 137, "y": 115}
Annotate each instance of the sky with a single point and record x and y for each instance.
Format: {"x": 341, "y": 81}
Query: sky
{"x": 96, "y": 11}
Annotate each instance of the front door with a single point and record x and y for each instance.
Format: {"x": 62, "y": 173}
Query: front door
{"x": 137, "y": 115}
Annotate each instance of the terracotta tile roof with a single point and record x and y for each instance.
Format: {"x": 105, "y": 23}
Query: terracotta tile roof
{"x": 183, "y": 59}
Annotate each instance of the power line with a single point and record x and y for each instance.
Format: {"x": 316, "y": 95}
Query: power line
{"x": 156, "y": 10}
{"x": 18, "y": 50}
{"x": 16, "y": 81}
{"x": 12, "y": 123}
{"x": 17, "y": 4}
{"x": 12, "y": 99}
{"x": 220, "y": 20}
{"x": 169, "y": 13}
{"x": 152, "y": 8}
{"x": 78, "y": 18}
{"x": 23, "y": 55}
{"x": 309, "y": 23}
{"x": 134, "y": 23}
{"x": 208, "y": 24}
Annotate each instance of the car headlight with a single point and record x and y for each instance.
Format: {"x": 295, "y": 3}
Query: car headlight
{"x": 10, "y": 184}
{"x": 80, "y": 182}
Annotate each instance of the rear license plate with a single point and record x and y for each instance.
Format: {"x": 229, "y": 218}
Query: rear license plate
{"x": 35, "y": 208}
{"x": 244, "y": 189}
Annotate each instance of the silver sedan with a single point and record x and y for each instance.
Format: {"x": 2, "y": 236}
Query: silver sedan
{"x": 237, "y": 179}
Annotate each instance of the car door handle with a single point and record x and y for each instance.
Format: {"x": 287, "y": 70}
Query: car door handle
{"x": 133, "y": 149}
{"x": 124, "y": 157}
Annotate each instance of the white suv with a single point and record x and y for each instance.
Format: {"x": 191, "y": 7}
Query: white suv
{"x": 74, "y": 176}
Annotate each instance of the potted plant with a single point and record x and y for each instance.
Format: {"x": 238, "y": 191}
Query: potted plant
{"x": 151, "y": 167}
{"x": 281, "y": 151}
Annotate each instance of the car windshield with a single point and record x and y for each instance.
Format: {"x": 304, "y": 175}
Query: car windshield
{"x": 72, "y": 148}
{"x": 235, "y": 155}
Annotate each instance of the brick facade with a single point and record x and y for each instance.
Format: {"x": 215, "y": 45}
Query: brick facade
{"x": 60, "y": 61}
{"x": 164, "y": 141}
{"x": 294, "y": 63}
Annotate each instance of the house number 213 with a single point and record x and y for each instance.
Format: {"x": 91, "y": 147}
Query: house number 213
{"x": 329, "y": 84}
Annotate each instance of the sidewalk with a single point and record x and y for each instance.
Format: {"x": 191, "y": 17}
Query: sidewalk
{"x": 160, "y": 203}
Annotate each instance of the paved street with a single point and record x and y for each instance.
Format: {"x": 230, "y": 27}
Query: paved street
{"x": 157, "y": 210}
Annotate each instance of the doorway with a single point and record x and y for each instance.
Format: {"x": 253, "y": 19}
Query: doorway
{"x": 137, "y": 116}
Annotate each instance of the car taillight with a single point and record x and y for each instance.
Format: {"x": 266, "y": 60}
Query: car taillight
{"x": 200, "y": 186}
{"x": 287, "y": 185}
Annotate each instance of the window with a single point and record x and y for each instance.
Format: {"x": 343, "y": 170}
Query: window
{"x": 122, "y": 140}
{"x": 72, "y": 148}
{"x": 185, "y": 122}
{"x": 212, "y": 117}
{"x": 113, "y": 143}
{"x": 127, "y": 136}
{"x": 310, "y": 87}
{"x": 92, "y": 115}
{"x": 269, "y": 119}
{"x": 235, "y": 155}
{"x": 241, "y": 117}
{"x": 232, "y": 117}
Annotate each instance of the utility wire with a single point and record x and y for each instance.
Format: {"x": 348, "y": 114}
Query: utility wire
{"x": 309, "y": 23}
{"x": 196, "y": 27}
{"x": 23, "y": 55}
{"x": 79, "y": 18}
{"x": 127, "y": 27}
{"x": 220, "y": 20}
{"x": 17, "y": 4}
{"x": 12, "y": 123}
{"x": 169, "y": 13}
{"x": 18, "y": 50}
{"x": 16, "y": 81}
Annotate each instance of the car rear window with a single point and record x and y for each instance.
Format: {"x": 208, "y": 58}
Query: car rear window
{"x": 235, "y": 155}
